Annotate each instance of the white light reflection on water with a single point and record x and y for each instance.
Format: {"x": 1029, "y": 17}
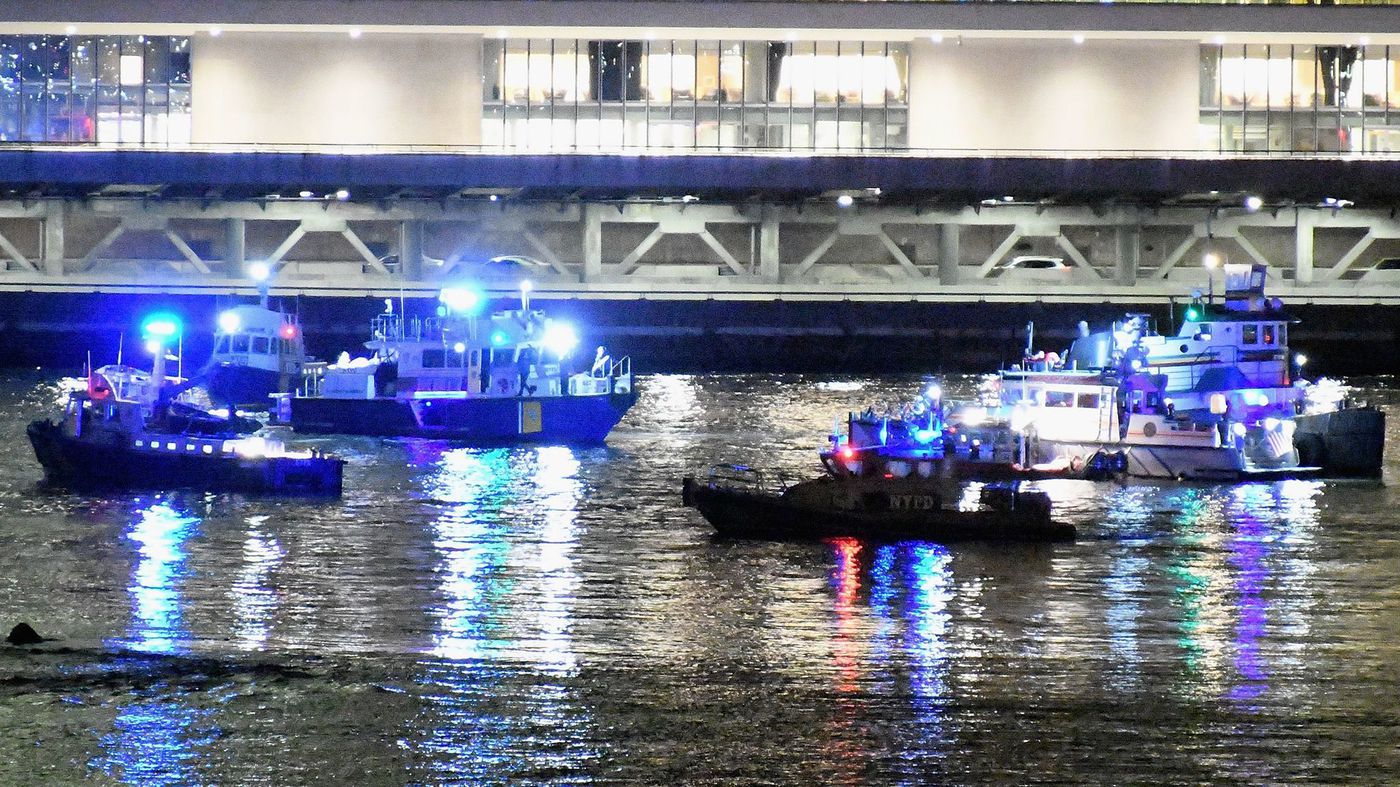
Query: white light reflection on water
{"x": 493, "y": 684}
{"x": 255, "y": 600}
{"x": 160, "y": 533}
{"x": 153, "y": 742}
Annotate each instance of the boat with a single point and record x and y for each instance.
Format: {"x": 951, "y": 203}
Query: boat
{"x": 258, "y": 351}
{"x": 741, "y": 502}
{"x": 496, "y": 379}
{"x": 126, "y": 430}
{"x": 1218, "y": 399}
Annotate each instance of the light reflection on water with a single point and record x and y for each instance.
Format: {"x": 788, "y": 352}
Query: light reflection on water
{"x": 552, "y": 615}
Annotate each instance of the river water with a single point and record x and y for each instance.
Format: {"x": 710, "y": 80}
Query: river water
{"x": 552, "y": 615}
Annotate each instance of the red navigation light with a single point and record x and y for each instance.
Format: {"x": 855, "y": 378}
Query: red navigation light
{"x": 289, "y": 331}
{"x": 847, "y": 453}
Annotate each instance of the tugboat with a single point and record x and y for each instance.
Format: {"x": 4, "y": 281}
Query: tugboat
{"x": 486, "y": 380}
{"x": 741, "y": 502}
{"x": 127, "y": 431}
{"x": 1216, "y": 401}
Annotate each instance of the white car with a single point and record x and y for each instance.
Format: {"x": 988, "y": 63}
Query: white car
{"x": 1032, "y": 262}
{"x": 1037, "y": 268}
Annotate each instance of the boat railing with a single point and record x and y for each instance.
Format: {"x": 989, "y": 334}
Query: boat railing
{"x": 742, "y": 478}
{"x": 621, "y": 374}
{"x": 393, "y": 327}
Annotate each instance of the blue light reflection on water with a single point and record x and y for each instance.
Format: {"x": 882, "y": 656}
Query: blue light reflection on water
{"x": 910, "y": 593}
{"x": 156, "y": 739}
{"x": 497, "y": 698}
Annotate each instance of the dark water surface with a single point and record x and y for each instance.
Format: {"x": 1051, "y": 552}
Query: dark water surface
{"x": 552, "y": 615}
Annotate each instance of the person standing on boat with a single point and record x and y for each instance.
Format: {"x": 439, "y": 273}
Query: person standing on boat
{"x": 602, "y": 362}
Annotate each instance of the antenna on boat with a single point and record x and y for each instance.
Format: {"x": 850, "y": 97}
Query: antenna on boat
{"x": 121, "y": 340}
{"x": 1030, "y": 338}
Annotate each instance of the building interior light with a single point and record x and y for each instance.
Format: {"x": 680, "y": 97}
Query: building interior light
{"x": 131, "y": 69}
{"x": 355, "y": 32}
{"x": 71, "y": 29}
{"x": 305, "y": 194}
{"x": 845, "y": 200}
{"x": 342, "y": 195}
{"x": 1078, "y": 38}
{"x": 936, "y": 38}
{"x": 1253, "y": 203}
{"x": 215, "y": 32}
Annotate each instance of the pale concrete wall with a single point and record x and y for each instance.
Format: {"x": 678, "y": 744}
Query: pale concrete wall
{"x": 323, "y": 88}
{"x": 1053, "y": 94}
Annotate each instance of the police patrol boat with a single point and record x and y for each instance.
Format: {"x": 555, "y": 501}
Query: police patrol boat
{"x": 486, "y": 379}
{"x": 257, "y": 352}
{"x": 126, "y": 429}
{"x": 742, "y": 502}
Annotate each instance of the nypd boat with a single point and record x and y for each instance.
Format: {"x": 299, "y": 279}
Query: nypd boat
{"x": 489, "y": 379}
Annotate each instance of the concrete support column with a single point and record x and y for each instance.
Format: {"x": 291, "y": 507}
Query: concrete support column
{"x": 1303, "y": 258}
{"x": 592, "y": 242}
{"x": 235, "y": 248}
{"x": 1129, "y": 237}
{"x": 768, "y": 258}
{"x": 52, "y": 242}
{"x": 411, "y": 249}
{"x": 949, "y": 252}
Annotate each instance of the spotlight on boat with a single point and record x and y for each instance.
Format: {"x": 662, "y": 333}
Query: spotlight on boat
{"x": 560, "y": 338}
{"x": 229, "y": 322}
{"x": 459, "y": 348}
{"x": 259, "y": 271}
{"x": 464, "y": 300}
{"x": 934, "y": 392}
{"x": 1253, "y": 203}
{"x": 1300, "y": 359}
{"x": 845, "y": 200}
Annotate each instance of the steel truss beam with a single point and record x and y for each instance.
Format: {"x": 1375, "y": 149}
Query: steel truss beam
{"x": 965, "y": 246}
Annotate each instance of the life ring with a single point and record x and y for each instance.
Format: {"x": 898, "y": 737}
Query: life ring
{"x": 1076, "y": 463}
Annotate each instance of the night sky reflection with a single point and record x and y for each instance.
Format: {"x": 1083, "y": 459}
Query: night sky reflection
{"x": 498, "y": 699}
{"x": 156, "y": 738}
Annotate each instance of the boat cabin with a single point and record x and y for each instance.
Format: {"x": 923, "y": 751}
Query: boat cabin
{"x": 259, "y": 338}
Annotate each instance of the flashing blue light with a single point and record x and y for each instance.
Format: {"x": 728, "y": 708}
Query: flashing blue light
{"x": 161, "y": 325}
{"x": 463, "y": 300}
{"x": 925, "y": 436}
{"x": 499, "y": 338}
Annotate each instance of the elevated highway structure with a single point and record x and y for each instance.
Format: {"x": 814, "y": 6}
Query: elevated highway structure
{"x": 907, "y": 226}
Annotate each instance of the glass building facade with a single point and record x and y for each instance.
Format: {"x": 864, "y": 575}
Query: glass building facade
{"x": 108, "y": 89}
{"x": 1289, "y": 98}
{"x": 567, "y": 94}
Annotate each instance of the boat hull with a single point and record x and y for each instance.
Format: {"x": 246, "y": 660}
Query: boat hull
{"x": 483, "y": 420}
{"x": 1346, "y": 443}
{"x": 741, "y": 514}
{"x": 234, "y": 385}
{"x": 104, "y": 462}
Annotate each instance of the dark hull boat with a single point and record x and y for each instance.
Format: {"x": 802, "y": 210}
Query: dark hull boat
{"x": 246, "y": 386}
{"x": 162, "y": 461}
{"x": 740, "y": 505}
{"x": 482, "y": 421}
